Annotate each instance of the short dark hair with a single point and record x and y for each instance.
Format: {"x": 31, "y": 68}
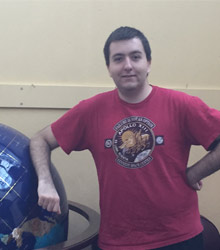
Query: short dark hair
{"x": 126, "y": 33}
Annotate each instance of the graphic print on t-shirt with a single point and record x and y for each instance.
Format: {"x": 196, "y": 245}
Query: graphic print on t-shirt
{"x": 134, "y": 141}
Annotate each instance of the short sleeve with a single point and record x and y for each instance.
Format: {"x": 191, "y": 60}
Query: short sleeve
{"x": 71, "y": 131}
{"x": 201, "y": 123}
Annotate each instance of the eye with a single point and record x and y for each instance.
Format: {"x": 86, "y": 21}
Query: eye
{"x": 117, "y": 59}
{"x": 136, "y": 57}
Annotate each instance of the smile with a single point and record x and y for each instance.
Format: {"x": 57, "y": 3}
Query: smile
{"x": 128, "y": 76}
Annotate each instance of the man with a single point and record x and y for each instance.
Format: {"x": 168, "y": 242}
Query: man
{"x": 140, "y": 137}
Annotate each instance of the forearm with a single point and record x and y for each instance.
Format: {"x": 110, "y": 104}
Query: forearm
{"x": 209, "y": 164}
{"x": 40, "y": 153}
{"x": 41, "y": 146}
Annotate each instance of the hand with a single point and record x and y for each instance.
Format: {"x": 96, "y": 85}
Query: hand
{"x": 196, "y": 185}
{"x": 48, "y": 197}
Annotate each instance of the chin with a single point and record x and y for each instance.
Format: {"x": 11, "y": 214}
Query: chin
{"x": 131, "y": 87}
{"x": 128, "y": 86}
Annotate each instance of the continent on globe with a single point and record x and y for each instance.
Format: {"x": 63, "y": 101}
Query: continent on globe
{"x": 34, "y": 226}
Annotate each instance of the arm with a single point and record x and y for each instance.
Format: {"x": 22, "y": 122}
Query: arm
{"x": 209, "y": 164}
{"x": 41, "y": 146}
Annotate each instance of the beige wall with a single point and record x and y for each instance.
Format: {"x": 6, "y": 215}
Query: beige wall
{"x": 51, "y": 57}
{"x": 61, "y": 41}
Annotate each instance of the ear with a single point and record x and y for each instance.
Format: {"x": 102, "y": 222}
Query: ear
{"x": 109, "y": 71}
{"x": 148, "y": 67}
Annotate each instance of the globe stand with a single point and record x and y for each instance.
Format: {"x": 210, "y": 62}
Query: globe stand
{"x": 86, "y": 238}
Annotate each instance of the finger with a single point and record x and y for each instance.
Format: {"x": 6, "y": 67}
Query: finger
{"x": 195, "y": 186}
{"x": 51, "y": 205}
{"x": 43, "y": 204}
{"x": 57, "y": 209}
{"x": 54, "y": 207}
{"x": 198, "y": 186}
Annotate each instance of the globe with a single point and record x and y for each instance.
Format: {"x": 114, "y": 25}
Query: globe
{"x": 24, "y": 224}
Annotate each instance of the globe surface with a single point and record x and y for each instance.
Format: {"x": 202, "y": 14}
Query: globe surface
{"x": 23, "y": 224}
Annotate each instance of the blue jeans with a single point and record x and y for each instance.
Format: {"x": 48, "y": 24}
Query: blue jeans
{"x": 195, "y": 243}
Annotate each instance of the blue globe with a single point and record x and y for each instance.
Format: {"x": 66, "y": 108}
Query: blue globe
{"x": 24, "y": 224}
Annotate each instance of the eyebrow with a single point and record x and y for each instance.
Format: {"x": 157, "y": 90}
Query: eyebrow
{"x": 136, "y": 52}
{"x": 117, "y": 54}
{"x": 131, "y": 53}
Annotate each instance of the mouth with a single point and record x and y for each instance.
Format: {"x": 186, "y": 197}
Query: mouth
{"x": 128, "y": 76}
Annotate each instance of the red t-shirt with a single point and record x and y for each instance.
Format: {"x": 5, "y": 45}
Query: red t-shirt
{"x": 141, "y": 153}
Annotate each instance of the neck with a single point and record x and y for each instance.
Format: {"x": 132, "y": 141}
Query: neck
{"x": 135, "y": 96}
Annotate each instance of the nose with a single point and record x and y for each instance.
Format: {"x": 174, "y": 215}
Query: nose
{"x": 128, "y": 64}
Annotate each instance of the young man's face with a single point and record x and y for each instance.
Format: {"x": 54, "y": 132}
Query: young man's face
{"x": 128, "y": 65}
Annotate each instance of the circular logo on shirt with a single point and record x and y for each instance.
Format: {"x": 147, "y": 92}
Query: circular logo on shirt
{"x": 108, "y": 143}
{"x": 133, "y": 142}
{"x": 159, "y": 140}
